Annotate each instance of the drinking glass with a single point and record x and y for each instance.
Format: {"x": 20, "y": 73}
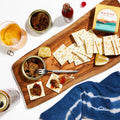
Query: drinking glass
{"x": 12, "y": 36}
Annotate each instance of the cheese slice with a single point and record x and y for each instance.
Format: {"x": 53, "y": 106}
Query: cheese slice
{"x": 44, "y": 52}
{"x": 101, "y": 60}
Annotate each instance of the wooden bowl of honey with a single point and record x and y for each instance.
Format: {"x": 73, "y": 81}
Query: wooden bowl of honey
{"x": 39, "y": 21}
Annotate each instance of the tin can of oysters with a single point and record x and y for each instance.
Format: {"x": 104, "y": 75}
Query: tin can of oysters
{"x": 8, "y": 97}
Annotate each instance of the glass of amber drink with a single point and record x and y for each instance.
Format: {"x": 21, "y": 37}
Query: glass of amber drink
{"x": 12, "y": 36}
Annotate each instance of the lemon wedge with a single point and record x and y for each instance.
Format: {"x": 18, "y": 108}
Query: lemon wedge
{"x": 44, "y": 52}
{"x": 101, "y": 60}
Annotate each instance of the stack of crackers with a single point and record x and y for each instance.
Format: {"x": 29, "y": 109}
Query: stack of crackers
{"x": 86, "y": 44}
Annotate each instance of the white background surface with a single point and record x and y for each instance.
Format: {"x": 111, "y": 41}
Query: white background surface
{"x": 19, "y": 11}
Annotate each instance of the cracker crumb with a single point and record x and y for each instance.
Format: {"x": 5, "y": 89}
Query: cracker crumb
{"x": 70, "y": 76}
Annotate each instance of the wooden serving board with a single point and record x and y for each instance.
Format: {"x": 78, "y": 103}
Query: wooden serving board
{"x": 86, "y": 70}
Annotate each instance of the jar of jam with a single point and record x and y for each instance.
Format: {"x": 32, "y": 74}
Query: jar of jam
{"x": 67, "y": 12}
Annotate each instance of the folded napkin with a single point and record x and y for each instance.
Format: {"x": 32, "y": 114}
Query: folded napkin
{"x": 97, "y": 101}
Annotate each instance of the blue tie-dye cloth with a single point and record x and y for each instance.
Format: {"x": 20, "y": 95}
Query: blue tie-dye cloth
{"x": 97, "y": 101}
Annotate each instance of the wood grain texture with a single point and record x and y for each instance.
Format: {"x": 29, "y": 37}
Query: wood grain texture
{"x": 64, "y": 37}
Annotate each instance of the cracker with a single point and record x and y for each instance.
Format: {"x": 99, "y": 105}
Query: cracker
{"x": 117, "y": 42}
{"x": 91, "y": 32}
{"x": 88, "y": 40}
{"x": 111, "y": 45}
{"x": 115, "y": 47}
{"x": 95, "y": 48}
{"x": 60, "y": 54}
{"x": 89, "y": 44}
{"x": 33, "y": 97}
{"x": 78, "y": 61}
{"x": 93, "y": 35}
{"x": 56, "y": 77}
{"x": 111, "y": 37}
{"x": 69, "y": 50}
{"x": 72, "y": 57}
{"x": 59, "y": 50}
{"x": 77, "y": 39}
{"x": 82, "y": 50}
{"x": 82, "y": 35}
{"x": 99, "y": 45}
{"x": 81, "y": 56}
{"x": 108, "y": 47}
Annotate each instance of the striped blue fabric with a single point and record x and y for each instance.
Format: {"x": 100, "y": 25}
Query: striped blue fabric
{"x": 96, "y": 101}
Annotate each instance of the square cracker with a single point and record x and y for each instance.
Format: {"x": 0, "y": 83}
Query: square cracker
{"x": 81, "y": 56}
{"x": 69, "y": 50}
{"x": 117, "y": 42}
{"x": 115, "y": 47}
{"x": 77, "y": 39}
{"x": 81, "y": 49}
{"x": 60, "y": 54}
{"x": 93, "y": 35}
{"x": 33, "y": 97}
{"x": 82, "y": 34}
{"x": 108, "y": 46}
{"x": 95, "y": 50}
{"x": 88, "y": 39}
{"x": 56, "y": 77}
{"x": 79, "y": 36}
{"x": 89, "y": 44}
{"x": 99, "y": 45}
{"x": 72, "y": 57}
{"x": 77, "y": 60}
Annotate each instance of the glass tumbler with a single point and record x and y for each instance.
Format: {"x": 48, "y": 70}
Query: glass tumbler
{"x": 12, "y": 36}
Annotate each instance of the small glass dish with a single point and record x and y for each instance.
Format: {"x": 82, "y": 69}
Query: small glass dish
{"x": 30, "y": 65}
{"x": 39, "y": 21}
